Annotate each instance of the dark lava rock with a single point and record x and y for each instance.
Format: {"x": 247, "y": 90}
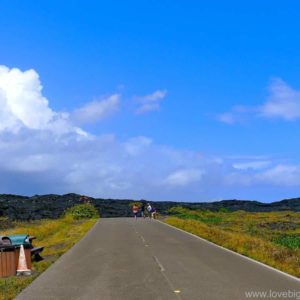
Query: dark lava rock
{"x": 17, "y": 207}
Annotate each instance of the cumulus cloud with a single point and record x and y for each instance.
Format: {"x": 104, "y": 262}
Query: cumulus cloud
{"x": 97, "y": 110}
{"x": 135, "y": 146}
{"x": 282, "y": 175}
{"x": 283, "y": 103}
{"x": 104, "y": 166}
{"x": 21, "y": 100}
{"x": 22, "y": 104}
{"x": 42, "y": 151}
{"x": 276, "y": 174}
{"x": 182, "y": 178}
{"x": 150, "y": 102}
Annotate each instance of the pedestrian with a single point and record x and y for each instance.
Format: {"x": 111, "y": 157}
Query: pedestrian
{"x": 135, "y": 210}
{"x": 149, "y": 210}
{"x": 143, "y": 210}
{"x": 153, "y": 213}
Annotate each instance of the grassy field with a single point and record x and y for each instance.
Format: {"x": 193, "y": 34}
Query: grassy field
{"x": 57, "y": 236}
{"x": 272, "y": 238}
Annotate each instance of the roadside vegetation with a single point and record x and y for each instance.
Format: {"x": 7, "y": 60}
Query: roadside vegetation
{"x": 57, "y": 236}
{"x": 269, "y": 237}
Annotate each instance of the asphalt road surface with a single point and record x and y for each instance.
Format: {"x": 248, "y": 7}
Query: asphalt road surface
{"x": 124, "y": 259}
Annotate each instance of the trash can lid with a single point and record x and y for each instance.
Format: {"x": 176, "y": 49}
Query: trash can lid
{"x": 19, "y": 239}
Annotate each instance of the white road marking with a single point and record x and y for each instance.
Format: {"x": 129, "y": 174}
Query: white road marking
{"x": 144, "y": 241}
{"x": 162, "y": 269}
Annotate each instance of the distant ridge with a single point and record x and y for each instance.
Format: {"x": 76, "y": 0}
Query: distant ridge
{"x": 18, "y": 207}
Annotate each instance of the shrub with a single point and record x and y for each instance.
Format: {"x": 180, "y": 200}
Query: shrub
{"x": 224, "y": 210}
{"x": 5, "y": 223}
{"x": 83, "y": 211}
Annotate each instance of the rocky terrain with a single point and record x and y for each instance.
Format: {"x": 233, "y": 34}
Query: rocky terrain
{"x": 52, "y": 206}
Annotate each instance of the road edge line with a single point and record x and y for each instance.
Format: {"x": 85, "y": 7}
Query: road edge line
{"x": 233, "y": 252}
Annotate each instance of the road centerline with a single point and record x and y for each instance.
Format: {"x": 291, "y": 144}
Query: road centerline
{"x": 167, "y": 279}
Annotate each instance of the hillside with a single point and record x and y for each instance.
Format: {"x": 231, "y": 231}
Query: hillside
{"x": 52, "y": 206}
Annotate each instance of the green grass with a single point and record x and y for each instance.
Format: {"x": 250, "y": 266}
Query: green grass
{"x": 289, "y": 241}
{"x": 205, "y": 216}
{"x": 272, "y": 238}
{"x": 57, "y": 236}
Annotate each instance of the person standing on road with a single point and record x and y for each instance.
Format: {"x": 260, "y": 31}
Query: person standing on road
{"x": 135, "y": 210}
{"x": 143, "y": 210}
{"x": 149, "y": 210}
{"x": 153, "y": 213}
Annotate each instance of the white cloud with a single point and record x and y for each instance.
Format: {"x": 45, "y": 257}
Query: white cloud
{"x": 282, "y": 175}
{"x": 135, "y": 146}
{"x": 103, "y": 166}
{"x": 22, "y": 104}
{"x": 97, "y": 110}
{"x": 255, "y": 165}
{"x": 150, "y": 102}
{"x": 282, "y": 103}
{"x": 227, "y": 118}
{"x": 181, "y": 178}
{"x": 21, "y": 100}
{"x": 42, "y": 151}
{"x": 279, "y": 175}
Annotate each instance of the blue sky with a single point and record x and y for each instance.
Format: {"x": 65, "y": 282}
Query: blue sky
{"x": 165, "y": 100}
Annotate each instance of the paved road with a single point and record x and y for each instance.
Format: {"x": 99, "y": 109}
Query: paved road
{"x": 123, "y": 259}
